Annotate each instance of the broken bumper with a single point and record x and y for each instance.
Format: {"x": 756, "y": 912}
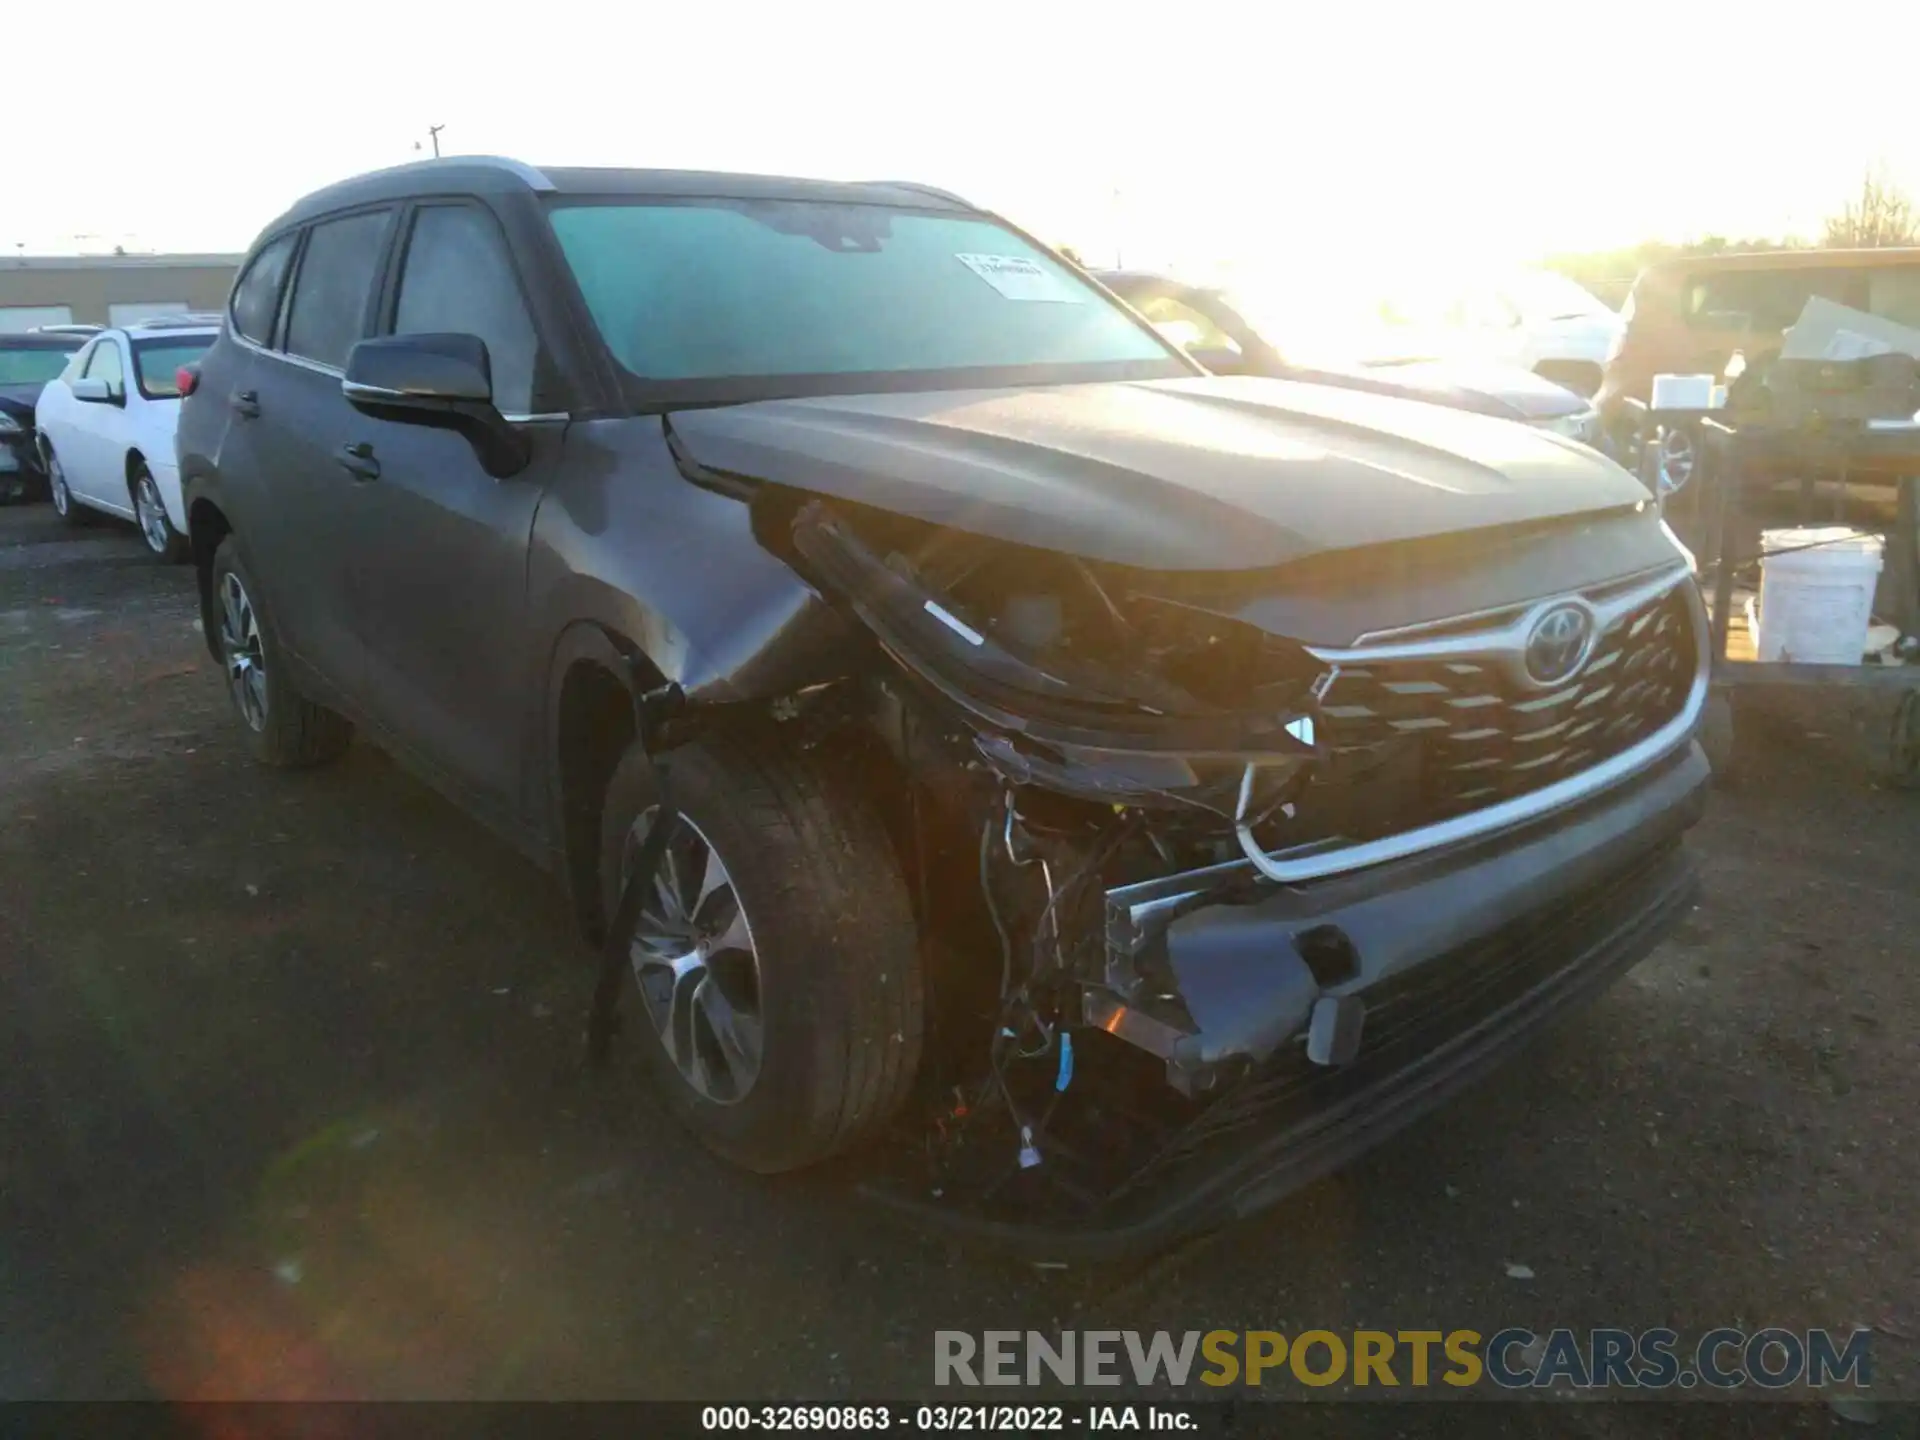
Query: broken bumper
{"x": 1459, "y": 957}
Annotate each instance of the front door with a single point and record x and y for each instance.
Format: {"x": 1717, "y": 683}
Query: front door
{"x": 94, "y": 459}
{"x": 440, "y": 570}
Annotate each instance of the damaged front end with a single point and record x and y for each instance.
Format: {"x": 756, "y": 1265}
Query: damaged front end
{"x": 1237, "y": 883}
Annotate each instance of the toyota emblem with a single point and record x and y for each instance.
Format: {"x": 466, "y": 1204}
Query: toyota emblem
{"x": 1557, "y": 644}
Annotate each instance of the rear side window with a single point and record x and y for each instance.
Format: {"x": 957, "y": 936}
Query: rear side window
{"x": 1766, "y": 302}
{"x": 256, "y": 299}
{"x": 1894, "y": 294}
{"x": 458, "y": 279}
{"x": 156, "y": 363}
{"x": 329, "y": 309}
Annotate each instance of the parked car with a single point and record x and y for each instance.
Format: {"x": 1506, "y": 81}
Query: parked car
{"x": 27, "y": 363}
{"x": 1690, "y": 316}
{"x": 1532, "y": 319}
{"x": 106, "y": 427}
{"x": 1231, "y": 336}
{"x": 1120, "y": 792}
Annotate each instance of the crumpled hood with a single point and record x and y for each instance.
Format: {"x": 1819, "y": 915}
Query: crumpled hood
{"x": 1223, "y": 473}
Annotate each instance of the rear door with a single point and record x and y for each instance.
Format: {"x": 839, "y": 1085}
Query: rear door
{"x": 440, "y": 568}
{"x": 305, "y": 526}
{"x": 215, "y": 440}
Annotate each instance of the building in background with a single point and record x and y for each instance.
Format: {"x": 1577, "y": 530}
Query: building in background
{"x": 109, "y": 289}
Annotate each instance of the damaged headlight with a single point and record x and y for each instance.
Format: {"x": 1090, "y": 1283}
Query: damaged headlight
{"x": 1066, "y": 687}
{"x": 1582, "y": 425}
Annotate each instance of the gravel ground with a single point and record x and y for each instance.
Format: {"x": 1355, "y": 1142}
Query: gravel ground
{"x": 292, "y": 1100}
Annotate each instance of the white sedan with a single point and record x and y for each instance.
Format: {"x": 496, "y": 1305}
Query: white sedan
{"x": 106, "y": 427}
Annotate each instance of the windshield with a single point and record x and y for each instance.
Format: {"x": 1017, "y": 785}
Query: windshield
{"x": 155, "y": 361}
{"x": 34, "y": 365}
{"x": 717, "y": 299}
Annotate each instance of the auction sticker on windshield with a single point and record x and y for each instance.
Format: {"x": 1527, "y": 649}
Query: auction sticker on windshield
{"x": 1019, "y": 278}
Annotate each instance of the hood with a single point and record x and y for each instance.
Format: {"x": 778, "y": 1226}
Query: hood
{"x": 19, "y": 400}
{"x": 1219, "y": 473}
{"x": 1520, "y": 392}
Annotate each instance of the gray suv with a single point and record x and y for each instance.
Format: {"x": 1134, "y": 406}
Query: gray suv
{"x": 1109, "y": 794}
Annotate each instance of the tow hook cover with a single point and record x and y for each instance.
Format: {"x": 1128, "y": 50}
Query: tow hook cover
{"x": 1333, "y": 1032}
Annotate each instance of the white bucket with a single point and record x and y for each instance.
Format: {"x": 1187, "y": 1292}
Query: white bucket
{"x": 1682, "y": 392}
{"x": 1816, "y": 603}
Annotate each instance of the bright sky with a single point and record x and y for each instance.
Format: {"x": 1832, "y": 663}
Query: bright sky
{"x": 1193, "y": 133}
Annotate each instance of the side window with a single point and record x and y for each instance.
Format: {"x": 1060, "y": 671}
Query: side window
{"x": 458, "y": 279}
{"x": 1766, "y": 302}
{"x": 329, "y": 309}
{"x": 256, "y": 299}
{"x": 1185, "y": 326}
{"x": 105, "y": 365}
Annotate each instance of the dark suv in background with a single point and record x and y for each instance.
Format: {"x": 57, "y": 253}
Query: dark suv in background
{"x": 27, "y": 363}
{"x": 1126, "y": 792}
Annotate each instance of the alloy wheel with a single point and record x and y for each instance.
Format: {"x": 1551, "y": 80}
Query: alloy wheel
{"x": 696, "y": 966}
{"x": 153, "y": 515}
{"x": 244, "y": 654}
{"x": 1676, "y": 459}
{"x": 57, "y": 485}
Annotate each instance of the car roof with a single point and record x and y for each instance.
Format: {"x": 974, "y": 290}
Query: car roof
{"x": 498, "y": 175}
{"x": 1143, "y": 277}
{"x": 1785, "y": 260}
{"x": 170, "y": 325}
{"x": 1123, "y": 279}
{"x": 36, "y": 340}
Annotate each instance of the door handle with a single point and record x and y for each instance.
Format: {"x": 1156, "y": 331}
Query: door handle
{"x": 358, "y": 460}
{"x": 246, "y": 402}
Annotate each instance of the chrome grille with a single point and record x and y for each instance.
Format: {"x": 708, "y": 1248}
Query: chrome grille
{"x": 1479, "y": 737}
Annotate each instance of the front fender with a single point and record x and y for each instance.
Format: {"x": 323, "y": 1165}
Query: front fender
{"x": 673, "y": 571}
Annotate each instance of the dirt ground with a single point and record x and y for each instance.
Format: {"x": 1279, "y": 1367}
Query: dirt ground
{"x": 292, "y": 1101}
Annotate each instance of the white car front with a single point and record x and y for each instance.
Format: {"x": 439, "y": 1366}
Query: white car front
{"x": 1531, "y": 319}
{"x": 106, "y": 428}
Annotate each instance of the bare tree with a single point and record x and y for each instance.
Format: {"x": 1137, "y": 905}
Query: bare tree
{"x": 1880, "y": 215}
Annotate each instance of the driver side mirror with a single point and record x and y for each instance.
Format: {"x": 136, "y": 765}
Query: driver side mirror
{"x": 94, "y": 391}
{"x": 443, "y": 381}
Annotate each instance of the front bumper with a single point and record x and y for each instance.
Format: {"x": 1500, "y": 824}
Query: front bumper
{"x": 20, "y": 470}
{"x": 1459, "y": 957}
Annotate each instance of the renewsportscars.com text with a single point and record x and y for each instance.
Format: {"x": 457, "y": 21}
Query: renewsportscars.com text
{"x": 1514, "y": 1358}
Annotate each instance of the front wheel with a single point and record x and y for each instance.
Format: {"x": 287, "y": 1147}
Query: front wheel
{"x": 156, "y": 529}
{"x": 284, "y": 728}
{"x": 776, "y": 959}
{"x": 64, "y": 505}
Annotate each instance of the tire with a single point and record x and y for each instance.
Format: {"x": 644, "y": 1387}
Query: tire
{"x": 284, "y": 729}
{"x": 64, "y": 505}
{"x": 1717, "y": 736}
{"x": 836, "y": 998}
{"x": 167, "y": 544}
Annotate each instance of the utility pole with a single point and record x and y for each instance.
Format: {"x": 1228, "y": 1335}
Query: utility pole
{"x": 433, "y": 133}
